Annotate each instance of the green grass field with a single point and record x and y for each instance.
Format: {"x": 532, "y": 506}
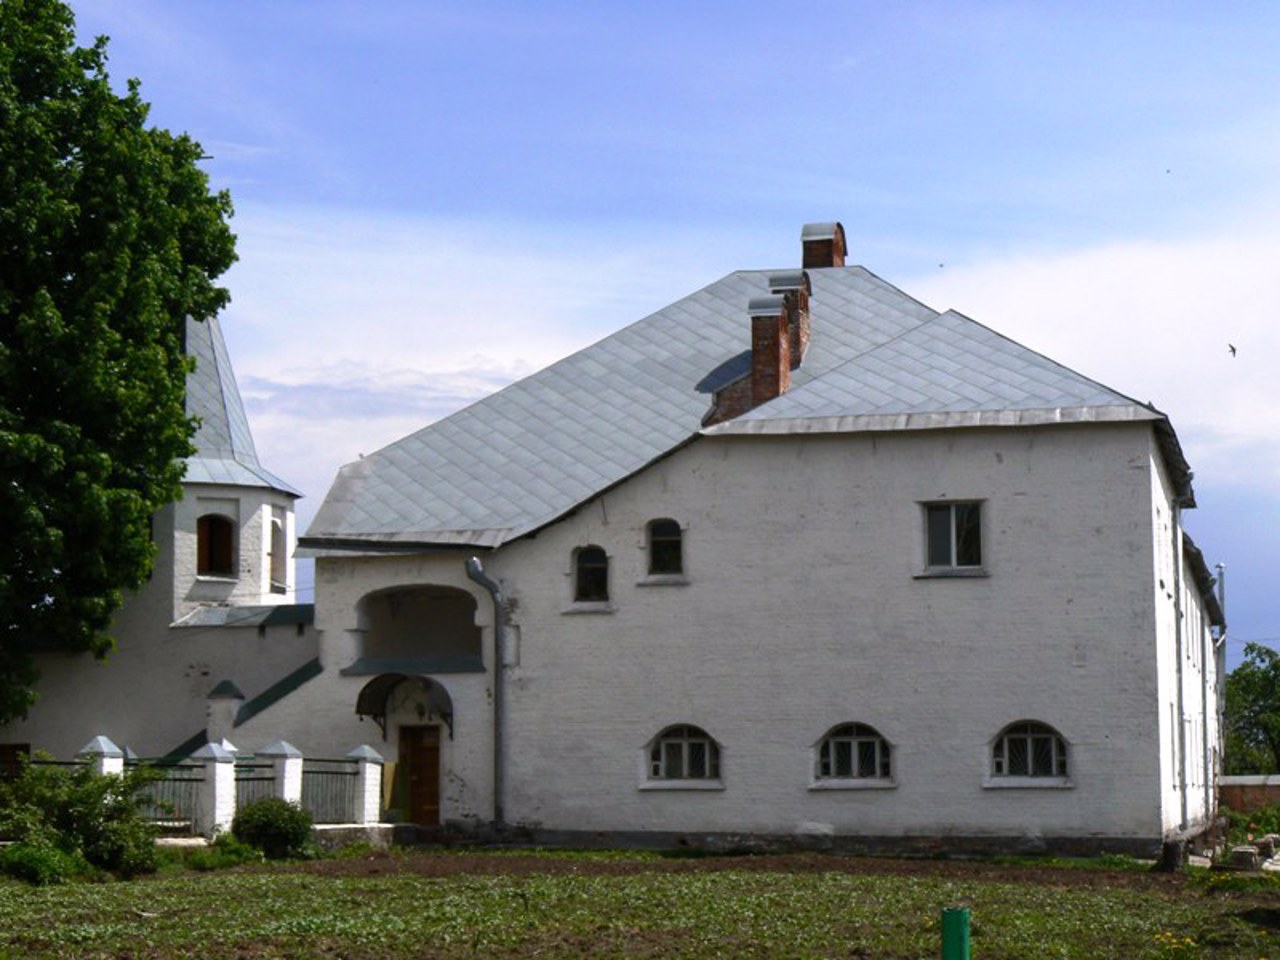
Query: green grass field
{"x": 557, "y": 905}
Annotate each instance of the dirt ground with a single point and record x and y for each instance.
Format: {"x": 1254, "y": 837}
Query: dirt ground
{"x": 429, "y": 863}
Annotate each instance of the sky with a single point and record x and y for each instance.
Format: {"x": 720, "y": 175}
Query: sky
{"x": 433, "y": 199}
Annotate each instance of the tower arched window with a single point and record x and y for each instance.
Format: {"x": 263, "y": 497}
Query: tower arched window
{"x": 215, "y": 546}
{"x": 279, "y": 558}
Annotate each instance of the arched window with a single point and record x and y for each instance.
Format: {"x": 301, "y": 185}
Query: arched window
{"x": 215, "y": 546}
{"x": 854, "y": 751}
{"x": 1029, "y": 749}
{"x": 684, "y": 753}
{"x": 279, "y": 559}
{"x": 666, "y": 547}
{"x": 590, "y": 575}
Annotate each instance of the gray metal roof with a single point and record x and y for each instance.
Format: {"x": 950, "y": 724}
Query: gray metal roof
{"x": 225, "y": 453}
{"x": 526, "y": 455}
{"x": 264, "y": 615}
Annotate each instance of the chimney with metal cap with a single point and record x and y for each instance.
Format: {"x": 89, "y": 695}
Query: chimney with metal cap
{"x": 795, "y": 289}
{"x": 770, "y": 348}
{"x": 823, "y": 245}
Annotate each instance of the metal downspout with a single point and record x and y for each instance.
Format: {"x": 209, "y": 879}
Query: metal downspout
{"x": 1220, "y": 673}
{"x": 476, "y": 572}
{"x": 1206, "y": 747}
{"x": 1181, "y": 732}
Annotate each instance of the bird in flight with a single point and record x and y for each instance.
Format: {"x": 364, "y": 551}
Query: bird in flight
{"x": 1232, "y": 348}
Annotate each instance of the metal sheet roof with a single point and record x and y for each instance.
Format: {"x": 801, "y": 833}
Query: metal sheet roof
{"x": 225, "y": 453}
{"x": 524, "y": 456}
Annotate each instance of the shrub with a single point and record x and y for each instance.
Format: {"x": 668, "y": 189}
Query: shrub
{"x": 281, "y": 830}
{"x": 93, "y": 819}
{"x": 41, "y": 863}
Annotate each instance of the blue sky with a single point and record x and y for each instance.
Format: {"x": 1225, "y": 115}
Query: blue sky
{"x": 435, "y": 198}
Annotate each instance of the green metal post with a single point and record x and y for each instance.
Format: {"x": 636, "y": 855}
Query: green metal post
{"x": 955, "y": 933}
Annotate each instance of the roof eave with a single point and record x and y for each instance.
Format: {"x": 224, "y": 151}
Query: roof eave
{"x": 933, "y": 420}
{"x": 375, "y": 545}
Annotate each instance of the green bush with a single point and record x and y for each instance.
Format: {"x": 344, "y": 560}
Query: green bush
{"x": 93, "y": 819}
{"x": 281, "y": 830}
{"x": 41, "y": 863}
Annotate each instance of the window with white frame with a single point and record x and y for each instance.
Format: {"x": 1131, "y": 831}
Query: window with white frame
{"x": 1029, "y": 749}
{"x": 684, "y": 753}
{"x": 666, "y": 547}
{"x": 590, "y": 575}
{"x": 854, "y": 751}
{"x": 953, "y": 535}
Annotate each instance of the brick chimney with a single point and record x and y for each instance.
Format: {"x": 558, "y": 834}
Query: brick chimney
{"x": 823, "y": 245}
{"x": 770, "y": 348}
{"x": 795, "y": 290}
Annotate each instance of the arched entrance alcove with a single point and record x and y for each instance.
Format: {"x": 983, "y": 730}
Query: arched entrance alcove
{"x": 418, "y": 712}
{"x": 414, "y": 630}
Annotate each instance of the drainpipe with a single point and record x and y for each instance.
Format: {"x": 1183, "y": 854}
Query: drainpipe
{"x": 1206, "y": 747}
{"x": 476, "y": 572}
{"x": 1181, "y": 732}
{"x": 1220, "y": 667}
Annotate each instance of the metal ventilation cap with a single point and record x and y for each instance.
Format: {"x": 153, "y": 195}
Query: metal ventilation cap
{"x": 820, "y": 231}
{"x": 770, "y": 306}
{"x": 791, "y": 280}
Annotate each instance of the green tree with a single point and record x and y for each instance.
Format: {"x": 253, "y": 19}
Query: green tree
{"x": 1253, "y": 712}
{"x": 109, "y": 238}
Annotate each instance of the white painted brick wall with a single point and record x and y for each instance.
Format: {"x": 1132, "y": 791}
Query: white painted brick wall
{"x": 803, "y": 611}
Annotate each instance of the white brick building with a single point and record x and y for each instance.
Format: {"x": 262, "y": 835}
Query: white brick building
{"x": 795, "y": 556}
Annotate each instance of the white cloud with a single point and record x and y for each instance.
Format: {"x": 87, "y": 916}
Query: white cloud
{"x": 1152, "y": 320}
{"x": 349, "y": 330}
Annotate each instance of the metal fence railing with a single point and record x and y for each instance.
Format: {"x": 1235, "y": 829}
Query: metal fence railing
{"x": 329, "y": 789}
{"x": 255, "y": 780}
{"x": 171, "y": 802}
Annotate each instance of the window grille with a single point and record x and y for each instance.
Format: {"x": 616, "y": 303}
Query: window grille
{"x": 854, "y": 751}
{"x": 684, "y": 753}
{"x": 1029, "y": 749}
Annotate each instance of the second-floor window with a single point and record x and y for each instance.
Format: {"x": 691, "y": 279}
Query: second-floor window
{"x": 666, "y": 547}
{"x": 953, "y": 535}
{"x": 590, "y": 575}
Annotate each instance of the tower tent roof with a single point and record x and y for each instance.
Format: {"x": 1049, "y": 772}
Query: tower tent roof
{"x": 225, "y": 453}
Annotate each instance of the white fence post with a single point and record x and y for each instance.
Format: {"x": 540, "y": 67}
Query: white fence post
{"x": 217, "y": 803}
{"x": 103, "y": 756}
{"x": 368, "y": 798}
{"x": 287, "y": 767}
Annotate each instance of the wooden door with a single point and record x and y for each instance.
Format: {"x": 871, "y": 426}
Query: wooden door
{"x": 420, "y": 759}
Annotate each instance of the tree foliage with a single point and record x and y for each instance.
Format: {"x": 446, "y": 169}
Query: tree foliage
{"x": 1253, "y": 712}
{"x": 109, "y": 239}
